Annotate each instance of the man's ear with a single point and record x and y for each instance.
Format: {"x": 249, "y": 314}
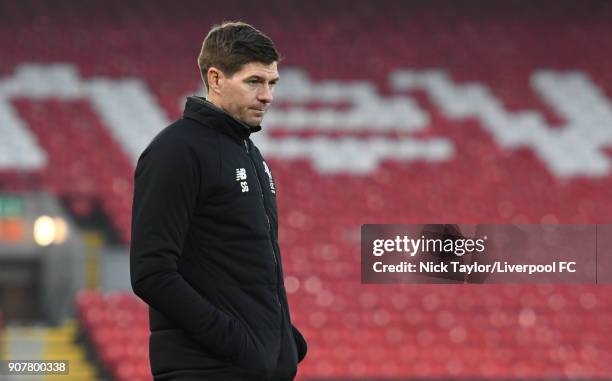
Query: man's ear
{"x": 215, "y": 80}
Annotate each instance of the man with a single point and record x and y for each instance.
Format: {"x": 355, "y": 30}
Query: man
{"x": 204, "y": 252}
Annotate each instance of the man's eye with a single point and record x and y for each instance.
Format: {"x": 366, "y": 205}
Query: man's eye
{"x": 253, "y": 82}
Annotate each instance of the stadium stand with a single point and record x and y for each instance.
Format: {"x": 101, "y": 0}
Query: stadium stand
{"x": 2, "y": 340}
{"x": 117, "y": 327}
{"x": 507, "y": 51}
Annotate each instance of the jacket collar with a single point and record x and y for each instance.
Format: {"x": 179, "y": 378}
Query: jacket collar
{"x": 205, "y": 112}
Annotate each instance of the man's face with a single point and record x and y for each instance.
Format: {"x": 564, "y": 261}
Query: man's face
{"x": 247, "y": 94}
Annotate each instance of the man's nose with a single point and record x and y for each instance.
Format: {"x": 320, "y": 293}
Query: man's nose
{"x": 265, "y": 94}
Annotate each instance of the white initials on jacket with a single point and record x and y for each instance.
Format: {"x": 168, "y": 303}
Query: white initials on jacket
{"x": 240, "y": 176}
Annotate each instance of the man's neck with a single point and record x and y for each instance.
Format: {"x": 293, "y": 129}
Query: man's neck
{"x": 215, "y": 101}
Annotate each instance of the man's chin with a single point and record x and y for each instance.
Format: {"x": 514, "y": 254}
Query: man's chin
{"x": 253, "y": 122}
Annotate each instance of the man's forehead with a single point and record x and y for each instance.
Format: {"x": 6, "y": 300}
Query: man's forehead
{"x": 268, "y": 71}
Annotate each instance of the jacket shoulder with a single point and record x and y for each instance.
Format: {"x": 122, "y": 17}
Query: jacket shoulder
{"x": 185, "y": 134}
{"x": 185, "y": 130}
{"x": 186, "y": 142}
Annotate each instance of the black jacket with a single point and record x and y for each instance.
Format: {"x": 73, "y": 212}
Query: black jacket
{"x": 205, "y": 255}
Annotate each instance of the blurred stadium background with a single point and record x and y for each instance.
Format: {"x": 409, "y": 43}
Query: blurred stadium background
{"x": 387, "y": 112}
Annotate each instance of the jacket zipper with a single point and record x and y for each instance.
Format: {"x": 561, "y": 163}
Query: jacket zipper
{"x": 246, "y": 146}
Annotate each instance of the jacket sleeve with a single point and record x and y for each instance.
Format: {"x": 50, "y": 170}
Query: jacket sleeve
{"x": 300, "y": 343}
{"x": 166, "y": 190}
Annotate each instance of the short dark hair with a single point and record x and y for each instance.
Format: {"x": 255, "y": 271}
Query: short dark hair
{"x": 232, "y": 44}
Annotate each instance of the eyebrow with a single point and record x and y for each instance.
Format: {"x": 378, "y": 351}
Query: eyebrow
{"x": 261, "y": 78}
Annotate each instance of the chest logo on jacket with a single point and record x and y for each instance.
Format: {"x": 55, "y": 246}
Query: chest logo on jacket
{"x": 241, "y": 176}
{"x": 269, "y": 177}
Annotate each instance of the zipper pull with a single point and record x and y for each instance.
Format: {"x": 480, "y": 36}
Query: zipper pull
{"x": 246, "y": 145}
